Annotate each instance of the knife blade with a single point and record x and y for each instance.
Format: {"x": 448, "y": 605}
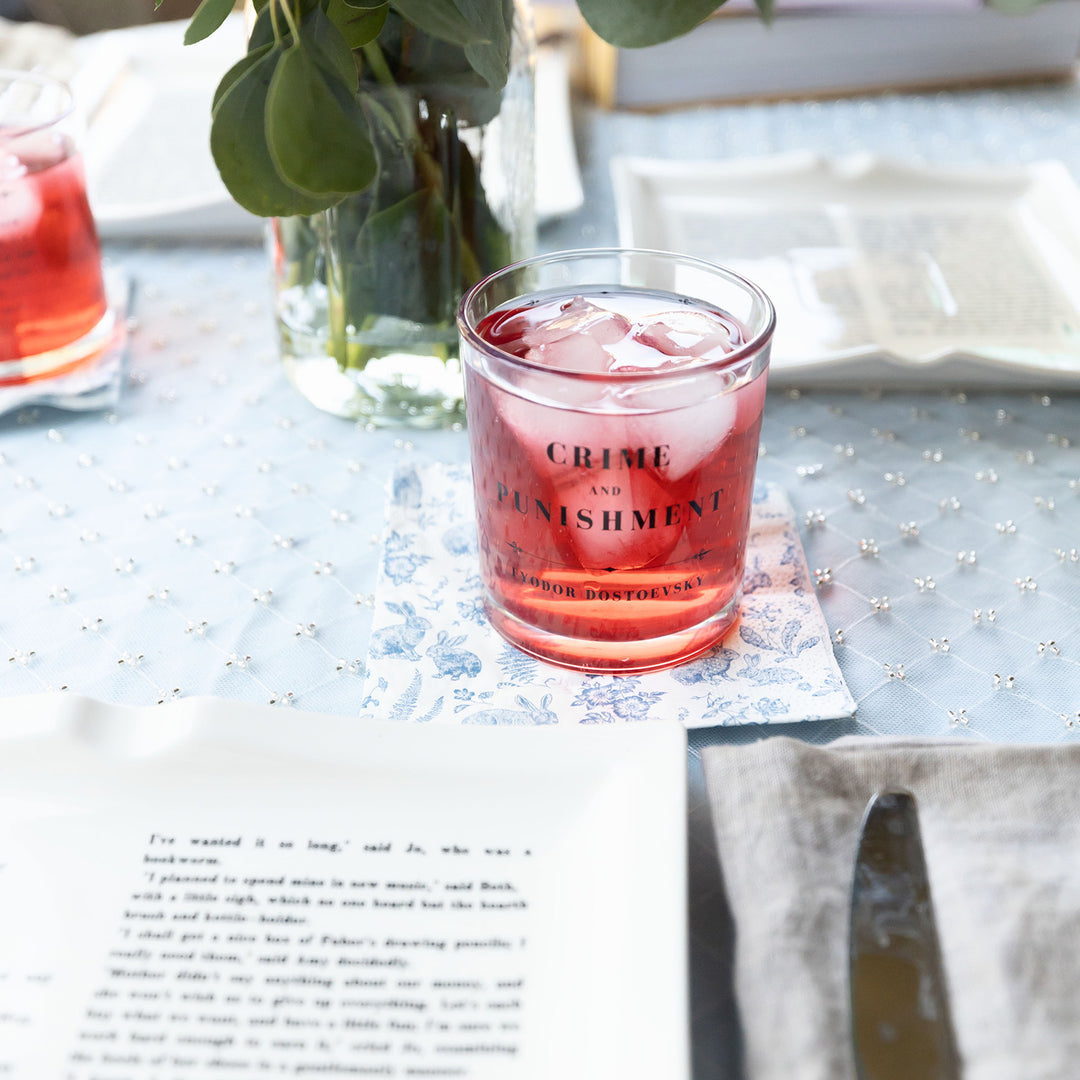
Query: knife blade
{"x": 901, "y": 1023}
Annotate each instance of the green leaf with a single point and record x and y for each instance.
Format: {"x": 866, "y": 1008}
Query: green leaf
{"x": 236, "y": 72}
{"x": 442, "y": 19}
{"x": 209, "y": 15}
{"x": 491, "y": 59}
{"x": 240, "y": 151}
{"x": 315, "y": 128}
{"x": 635, "y": 23}
{"x": 322, "y": 34}
{"x": 767, "y": 8}
{"x": 357, "y": 25}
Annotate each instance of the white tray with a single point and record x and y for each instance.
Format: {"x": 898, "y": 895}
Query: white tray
{"x": 899, "y": 274}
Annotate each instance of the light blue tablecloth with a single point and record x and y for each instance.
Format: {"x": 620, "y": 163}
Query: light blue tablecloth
{"x": 215, "y": 534}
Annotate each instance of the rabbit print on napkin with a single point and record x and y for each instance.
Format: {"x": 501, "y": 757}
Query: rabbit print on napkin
{"x": 434, "y": 658}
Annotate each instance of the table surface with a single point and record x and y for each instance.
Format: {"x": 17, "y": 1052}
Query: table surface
{"x": 215, "y": 534}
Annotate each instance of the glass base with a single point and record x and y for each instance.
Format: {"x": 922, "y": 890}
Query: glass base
{"x": 396, "y": 390}
{"x": 60, "y": 361}
{"x": 615, "y": 657}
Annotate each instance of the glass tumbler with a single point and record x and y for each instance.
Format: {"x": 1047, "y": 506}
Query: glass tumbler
{"x": 614, "y": 402}
{"x": 53, "y": 310}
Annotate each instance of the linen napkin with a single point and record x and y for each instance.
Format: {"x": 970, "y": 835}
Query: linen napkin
{"x": 1001, "y": 829}
{"x": 433, "y": 655}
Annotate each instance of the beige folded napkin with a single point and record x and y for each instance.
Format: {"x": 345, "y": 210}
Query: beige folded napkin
{"x": 1001, "y": 828}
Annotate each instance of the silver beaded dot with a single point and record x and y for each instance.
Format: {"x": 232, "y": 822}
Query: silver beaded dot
{"x": 159, "y": 594}
{"x": 1059, "y": 440}
{"x": 880, "y": 603}
{"x": 869, "y": 547}
{"x": 224, "y": 567}
{"x": 323, "y": 568}
{"x": 235, "y": 660}
{"x": 909, "y": 530}
{"x": 838, "y": 637}
{"x": 352, "y": 667}
{"x": 284, "y": 542}
{"x": 978, "y": 615}
{"x": 925, "y": 584}
{"x": 966, "y": 558}
{"x": 940, "y": 644}
{"x": 24, "y": 564}
{"x": 884, "y": 434}
{"x": 845, "y": 450}
{"x": 305, "y": 630}
{"x": 809, "y": 472}
{"x": 936, "y": 455}
{"x": 54, "y": 435}
{"x": 262, "y": 596}
{"x": 168, "y": 695}
{"x": 244, "y": 511}
{"x": 957, "y": 717}
{"x": 300, "y": 489}
{"x": 1025, "y": 457}
{"x": 895, "y": 671}
{"x": 60, "y": 594}
{"x": 951, "y": 503}
{"x": 1005, "y": 528}
{"x": 21, "y": 658}
{"x": 822, "y": 577}
{"x": 152, "y": 511}
{"x": 1045, "y": 503}
{"x": 340, "y": 516}
{"x": 28, "y": 483}
{"x": 283, "y": 699}
{"x": 89, "y": 536}
{"x": 91, "y": 625}
{"x": 186, "y": 539}
{"x": 1026, "y": 584}
{"x": 897, "y": 479}
{"x": 124, "y": 566}
{"x": 856, "y": 496}
{"x": 815, "y": 518}
{"x": 59, "y": 510}
{"x": 126, "y": 659}
{"x": 1073, "y": 554}
{"x": 987, "y": 476}
{"x": 196, "y": 627}
{"x": 365, "y": 600}
{"x": 1050, "y": 647}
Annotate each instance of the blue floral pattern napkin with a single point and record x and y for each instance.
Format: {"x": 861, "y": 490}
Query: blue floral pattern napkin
{"x": 434, "y": 658}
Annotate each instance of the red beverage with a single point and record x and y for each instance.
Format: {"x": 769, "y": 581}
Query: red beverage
{"x": 613, "y": 466}
{"x": 51, "y": 289}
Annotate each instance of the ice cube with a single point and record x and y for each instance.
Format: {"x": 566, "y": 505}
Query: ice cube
{"x": 575, "y": 352}
{"x": 579, "y": 316}
{"x": 685, "y": 333}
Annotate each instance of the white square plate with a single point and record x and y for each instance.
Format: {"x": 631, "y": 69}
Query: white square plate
{"x": 551, "y": 859}
{"x": 899, "y": 274}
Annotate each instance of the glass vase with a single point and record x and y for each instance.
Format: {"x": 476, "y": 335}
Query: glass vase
{"x": 366, "y": 293}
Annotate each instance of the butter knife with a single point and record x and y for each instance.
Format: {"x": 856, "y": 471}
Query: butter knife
{"x": 901, "y": 1027}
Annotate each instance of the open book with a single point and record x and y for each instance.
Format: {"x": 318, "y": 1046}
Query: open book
{"x": 210, "y": 889}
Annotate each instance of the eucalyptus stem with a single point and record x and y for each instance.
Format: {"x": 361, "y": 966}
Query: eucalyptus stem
{"x": 430, "y": 171}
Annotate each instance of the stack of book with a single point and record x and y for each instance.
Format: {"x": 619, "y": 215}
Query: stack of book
{"x": 817, "y": 48}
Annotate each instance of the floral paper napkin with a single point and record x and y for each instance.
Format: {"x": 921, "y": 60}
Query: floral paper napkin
{"x": 433, "y": 656}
